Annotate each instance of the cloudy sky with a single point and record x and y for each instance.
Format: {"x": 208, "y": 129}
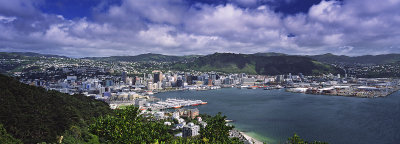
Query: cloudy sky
{"x": 80, "y": 28}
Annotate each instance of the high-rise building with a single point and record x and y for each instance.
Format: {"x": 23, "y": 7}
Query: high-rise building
{"x": 279, "y": 78}
{"x": 213, "y": 76}
{"x": 156, "y": 77}
{"x": 161, "y": 76}
{"x": 179, "y": 83}
{"x": 123, "y": 77}
{"x": 189, "y": 79}
{"x": 134, "y": 80}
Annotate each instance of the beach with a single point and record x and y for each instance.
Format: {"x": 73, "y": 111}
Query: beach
{"x": 250, "y": 139}
{"x": 244, "y": 137}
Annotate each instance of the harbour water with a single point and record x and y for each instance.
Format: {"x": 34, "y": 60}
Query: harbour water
{"x": 274, "y": 115}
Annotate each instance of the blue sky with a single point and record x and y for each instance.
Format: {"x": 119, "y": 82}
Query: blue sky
{"x": 80, "y": 28}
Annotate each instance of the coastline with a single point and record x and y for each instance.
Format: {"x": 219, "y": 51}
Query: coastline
{"x": 251, "y": 139}
{"x": 244, "y": 137}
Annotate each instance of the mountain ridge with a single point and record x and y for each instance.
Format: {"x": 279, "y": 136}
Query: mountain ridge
{"x": 255, "y": 64}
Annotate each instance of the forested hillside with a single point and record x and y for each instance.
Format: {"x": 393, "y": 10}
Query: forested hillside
{"x": 34, "y": 115}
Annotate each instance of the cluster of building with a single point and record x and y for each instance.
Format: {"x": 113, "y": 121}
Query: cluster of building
{"x": 97, "y": 82}
{"x": 179, "y": 120}
{"x": 358, "y": 87}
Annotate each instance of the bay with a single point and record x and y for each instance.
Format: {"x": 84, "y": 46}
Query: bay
{"x": 272, "y": 116}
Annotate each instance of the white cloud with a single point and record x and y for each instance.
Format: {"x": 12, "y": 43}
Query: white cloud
{"x": 174, "y": 27}
{"x": 5, "y": 19}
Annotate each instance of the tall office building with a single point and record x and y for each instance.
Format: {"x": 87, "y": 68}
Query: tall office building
{"x": 123, "y": 77}
{"x": 156, "y": 77}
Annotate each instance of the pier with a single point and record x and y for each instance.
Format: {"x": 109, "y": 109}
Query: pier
{"x": 172, "y": 103}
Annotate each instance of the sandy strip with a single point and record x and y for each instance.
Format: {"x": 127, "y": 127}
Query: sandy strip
{"x": 251, "y": 139}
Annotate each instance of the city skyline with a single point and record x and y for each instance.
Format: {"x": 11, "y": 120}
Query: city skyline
{"x": 188, "y": 27}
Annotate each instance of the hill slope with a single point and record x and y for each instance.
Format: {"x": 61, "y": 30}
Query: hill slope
{"x": 32, "y": 54}
{"x": 255, "y": 64}
{"x": 34, "y": 115}
{"x": 146, "y": 58}
{"x": 365, "y": 59}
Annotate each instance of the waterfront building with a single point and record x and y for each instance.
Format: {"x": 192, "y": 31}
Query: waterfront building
{"x": 140, "y": 102}
{"x": 179, "y": 82}
{"x": 210, "y": 82}
{"x": 193, "y": 113}
{"x": 248, "y": 81}
{"x": 150, "y": 85}
{"x": 279, "y": 78}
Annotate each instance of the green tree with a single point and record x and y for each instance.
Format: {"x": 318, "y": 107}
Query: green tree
{"x": 6, "y": 138}
{"x": 35, "y": 115}
{"x": 217, "y": 130}
{"x": 128, "y": 127}
{"x": 297, "y": 140}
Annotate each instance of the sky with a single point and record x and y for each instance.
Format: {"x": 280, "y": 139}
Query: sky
{"x": 82, "y": 28}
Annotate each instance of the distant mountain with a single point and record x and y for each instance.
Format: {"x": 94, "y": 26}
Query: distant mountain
{"x": 366, "y": 59}
{"x": 147, "y": 58}
{"x": 35, "y": 115}
{"x": 270, "y": 54}
{"x": 31, "y": 54}
{"x": 5, "y": 55}
{"x": 255, "y": 64}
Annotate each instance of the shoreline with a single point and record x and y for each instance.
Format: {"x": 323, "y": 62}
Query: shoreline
{"x": 350, "y": 93}
{"x": 244, "y": 137}
{"x": 251, "y": 139}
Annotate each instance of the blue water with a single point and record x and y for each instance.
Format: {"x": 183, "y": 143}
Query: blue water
{"x": 274, "y": 115}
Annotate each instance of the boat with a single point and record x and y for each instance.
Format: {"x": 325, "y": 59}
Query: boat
{"x": 252, "y": 87}
{"x": 204, "y": 103}
{"x": 243, "y": 86}
{"x": 268, "y": 88}
{"x": 279, "y": 87}
{"x": 149, "y": 93}
{"x": 228, "y": 121}
{"x": 176, "y": 107}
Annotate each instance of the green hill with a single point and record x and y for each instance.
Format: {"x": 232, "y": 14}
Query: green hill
{"x": 5, "y": 55}
{"x": 10, "y": 55}
{"x": 256, "y": 64}
{"x": 365, "y": 59}
{"x": 32, "y": 54}
{"x": 34, "y": 115}
{"x": 147, "y": 58}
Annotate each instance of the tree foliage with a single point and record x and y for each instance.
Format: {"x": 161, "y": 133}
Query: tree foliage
{"x": 6, "y": 138}
{"x": 297, "y": 140}
{"x": 128, "y": 127}
{"x": 216, "y": 130}
{"x": 34, "y": 115}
